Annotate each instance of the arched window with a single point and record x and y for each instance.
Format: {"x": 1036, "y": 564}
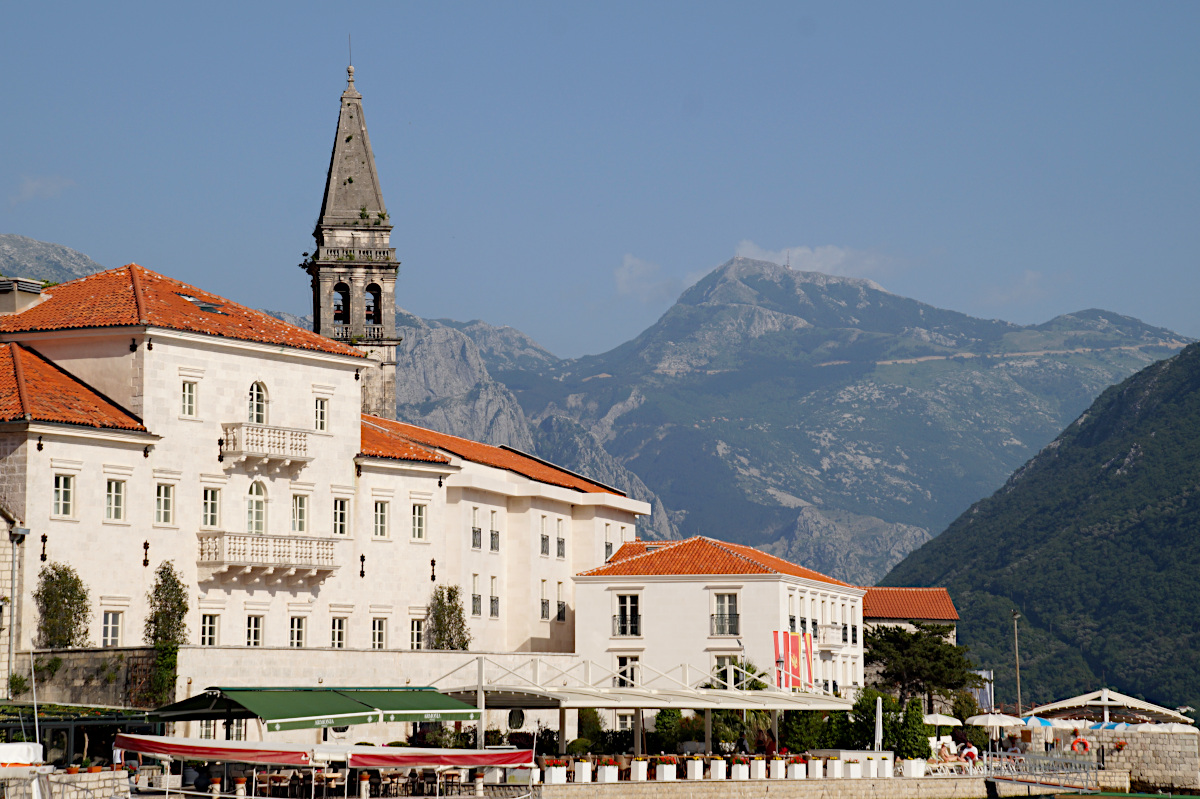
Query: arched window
{"x": 374, "y": 300}
{"x": 258, "y": 404}
{"x": 341, "y": 304}
{"x": 256, "y": 509}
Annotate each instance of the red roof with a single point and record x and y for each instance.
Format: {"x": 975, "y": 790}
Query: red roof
{"x": 34, "y": 389}
{"x": 134, "y": 295}
{"x": 379, "y": 443}
{"x": 498, "y": 457}
{"x": 932, "y": 604}
{"x": 699, "y": 555}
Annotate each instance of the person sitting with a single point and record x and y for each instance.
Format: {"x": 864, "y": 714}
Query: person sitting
{"x": 947, "y": 755}
{"x": 969, "y": 753}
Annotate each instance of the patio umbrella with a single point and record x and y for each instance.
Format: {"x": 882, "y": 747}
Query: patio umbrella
{"x": 1037, "y": 721}
{"x": 996, "y": 720}
{"x": 941, "y": 720}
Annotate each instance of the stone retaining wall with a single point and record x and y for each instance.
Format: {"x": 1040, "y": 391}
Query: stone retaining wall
{"x": 1154, "y": 759}
{"x": 927, "y": 788}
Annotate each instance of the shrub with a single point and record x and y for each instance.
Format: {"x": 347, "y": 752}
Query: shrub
{"x": 63, "y": 607}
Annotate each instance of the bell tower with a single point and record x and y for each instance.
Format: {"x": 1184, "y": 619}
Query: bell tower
{"x": 354, "y": 267}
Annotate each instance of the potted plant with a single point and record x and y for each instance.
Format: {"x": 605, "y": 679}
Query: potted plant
{"x": 834, "y": 768}
{"x": 583, "y": 771}
{"x": 1120, "y": 746}
{"x": 556, "y": 772}
{"x": 740, "y": 769}
{"x": 885, "y": 767}
{"x": 606, "y": 771}
{"x": 72, "y": 769}
{"x": 854, "y": 769}
{"x": 718, "y": 768}
{"x": 695, "y": 768}
{"x": 777, "y": 769}
{"x": 797, "y": 769}
{"x": 637, "y": 769}
{"x": 665, "y": 769}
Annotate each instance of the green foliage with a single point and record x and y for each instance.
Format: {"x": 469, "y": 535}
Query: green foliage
{"x": 446, "y": 620}
{"x": 919, "y": 662}
{"x": 547, "y": 741}
{"x": 162, "y": 673}
{"x": 666, "y": 729}
{"x": 580, "y": 746}
{"x": 801, "y": 730}
{"x": 166, "y": 623}
{"x": 912, "y": 741}
{"x": 859, "y": 731}
{"x": 63, "y": 607}
{"x": 591, "y": 726}
{"x": 17, "y": 684}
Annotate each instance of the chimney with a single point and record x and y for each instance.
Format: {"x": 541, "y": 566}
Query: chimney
{"x": 19, "y": 293}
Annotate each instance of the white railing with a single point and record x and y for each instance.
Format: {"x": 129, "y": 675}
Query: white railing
{"x": 341, "y": 331}
{"x": 353, "y": 254}
{"x": 245, "y": 549}
{"x": 245, "y": 439}
{"x": 373, "y": 332}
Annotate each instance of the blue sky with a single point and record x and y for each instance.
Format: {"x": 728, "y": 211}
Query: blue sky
{"x": 568, "y": 168}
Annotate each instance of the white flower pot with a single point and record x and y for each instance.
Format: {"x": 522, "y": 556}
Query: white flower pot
{"x": 758, "y": 769}
{"x": 695, "y": 769}
{"x": 606, "y": 774}
{"x": 835, "y": 769}
{"x": 816, "y": 770}
{"x": 797, "y": 771}
{"x": 885, "y": 768}
{"x": 739, "y": 771}
{"x": 637, "y": 770}
{"x": 777, "y": 769}
{"x": 717, "y": 769}
{"x": 583, "y": 772}
{"x": 913, "y": 769}
{"x": 664, "y": 773}
{"x": 854, "y": 771}
{"x": 556, "y": 775}
{"x": 869, "y": 768}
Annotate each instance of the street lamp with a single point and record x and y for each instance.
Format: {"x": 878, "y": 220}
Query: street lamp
{"x": 1017, "y": 657}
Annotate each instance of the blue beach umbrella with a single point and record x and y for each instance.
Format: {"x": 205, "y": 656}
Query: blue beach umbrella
{"x": 1037, "y": 721}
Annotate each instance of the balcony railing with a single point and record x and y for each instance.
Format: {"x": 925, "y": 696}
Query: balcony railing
{"x": 545, "y": 608}
{"x": 373, "y": 332}
{"x": 495, "y": 609}
{"x": 627, "y": 625}
{"x": 341, "y": 332}
{"x": 830, "y": 636}
{"x": 545, "y": 545}
{"x": 263, "y": 444}
{"x": 725, "y": 624}
{"x": 562, "y": 612}
{"x": 476, "y": 605}
{"x": 476, "y": 538}
{"x": 495, "y": 540}
{"x": 562, "y": 547}
{"x": 246, "y": 558}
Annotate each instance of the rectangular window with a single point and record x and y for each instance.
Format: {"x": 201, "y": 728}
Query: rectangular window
{"x": 254, "y": 629}
{"x": 627, "y": 671}
{"x": 64, "y": 495}
{"x": 625, "y": 722}
{"x": 495, "y": 540}
{"x": 381, "y": 519}
{"x": 545, "y": 602}
{"x": 494, "y": 610}
{"x": 296, "y": 629}
{"x": 208, "y": 728}
{"x": 476, "y": 599}
{"x": 299, "y": 513}
{"x": 341, "y": 516}
{"x": 337, "y": 633}
{"x": 164, "y": 504}
{"x": 187, "y": 397}
{"x": 562, "y": 548}
{"x": 210, "y": 512}
{"x": 110, "y": 634}
{"x": 379, "y": 633}
{"x": 208, "y": 629}
{"x": 725, "y": 620}
{"x": 238, "y": 732}
{"x": 321, "y": 415}
{"x": 416, "y": 634}
{"x": 114, "y": 501}
{"x": 418, "y": 522}
{"x": 628, "y": 620}
{"x": 545, "y": 544}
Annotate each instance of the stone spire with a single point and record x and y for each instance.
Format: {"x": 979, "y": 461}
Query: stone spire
{"x": 354, "y": 267}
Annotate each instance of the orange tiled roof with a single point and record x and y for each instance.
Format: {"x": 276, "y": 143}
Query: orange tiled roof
{"x": 379, "y": 443}
{"x": 932, "y": 604}
{"x": 498, "y": 457}
{"x": 628, "y": 550}
{"x": 34, "y": 389}
{"x": 699, "y": 555}
{"x": 134, "y": 295}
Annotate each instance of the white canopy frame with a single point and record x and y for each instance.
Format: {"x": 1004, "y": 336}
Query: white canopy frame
{"x": 1107, "y": 701}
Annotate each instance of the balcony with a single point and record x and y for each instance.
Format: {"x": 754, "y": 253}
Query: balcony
{"x": 725, "y": 624}
{"x": 263, "y": 446}
{"x": 246, "y": 559}
{"x": 373, "y": 332}
{"x": 830, "y": 637}
{"x": 476, "y": 538}
{"x": 562, "y": 612}
{"x": 627, "y": 625}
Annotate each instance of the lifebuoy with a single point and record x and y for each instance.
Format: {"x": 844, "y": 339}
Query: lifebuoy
{"x": 1081, "y": 744}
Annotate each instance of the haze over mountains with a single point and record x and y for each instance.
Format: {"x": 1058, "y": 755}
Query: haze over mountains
{"x": 821, "y": 418}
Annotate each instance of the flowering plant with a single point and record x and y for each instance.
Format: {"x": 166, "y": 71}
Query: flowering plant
{"x": 1120, "y": 746}
{"x": 758, "y": 757}
{"x": 667, "y": 760}
{"x": 640, "y": 757}
{"x": 608, "y": 761}
{"x": 851, "y": 761}
{"x": 777, "y": 757}
{"x": 741, "y": 761}
{"x": 797, "y": 759}
{"x": 556, "y": 763}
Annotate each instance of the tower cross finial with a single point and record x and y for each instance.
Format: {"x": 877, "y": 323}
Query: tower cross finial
{"x": 350, "y": 67}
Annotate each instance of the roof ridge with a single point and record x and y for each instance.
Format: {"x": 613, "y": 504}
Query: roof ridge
{"x": 725, "y": 546}
{"x": 19, "y": 375}
{"x": 138, "y": 302}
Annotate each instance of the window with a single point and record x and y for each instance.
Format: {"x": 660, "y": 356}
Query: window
{"x": 725, "y": 620}
{"x": 238, "y": 732}
{"x": 562, "y": 605}
{"x": 562, "y": 542}
{"x": 416, "y": 633}
{"x": 495, "y": 534}
{"x": 256, "y": 509}
{"x": 545, "y": 544}
{"x": 187, "y": 397}
{"x": 379, "y": 633}
{"x": 624, "y": 721}
{"x": 114, "y": 501}
{"x": 725, "y": 671}
{"x": 381, "y": 519}
{"x": 545, "y": 602}
{"x": 627, "y": 621}
{"x": 296, "y": 632}
{"x": 337, "y": 633}
{"x": 320, "y": 414}
{"x": 208, "y": 629}
{"x": 164, "y": 504}
{"x": 258, "y": 404}
{"x": 341, "y": 516}
{"x": 341, "y": 304}
{"x": 373, "y": 305}
{"x": 627, "y": 671}
{"x": 418, "y": 522}
{"x": 64, "y": 495}
{"x": 299, "y": 513}
{"x": 791, "y": 624}
{"x": 854, "y": 634}
{"x": 476, "y": 599}
{"x": 208, "y": 728}
{"x": 608, "y": 547}
{"x": 110, "y": 633}
{"x": 210, "y": 510}
{"x": 494, "y": 610}
{"x": 254, "y": 625}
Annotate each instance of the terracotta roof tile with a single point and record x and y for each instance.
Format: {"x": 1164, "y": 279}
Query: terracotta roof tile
{"x": 498, "y": 457}
{"x": 134, "y": 295}
{"x": 699, "y": 555}
{"x": 379, "y": 443}
{"x": 932, "y": 604}
{"x": 34, "y": 389}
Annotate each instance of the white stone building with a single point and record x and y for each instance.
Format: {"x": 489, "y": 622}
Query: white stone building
{"x": 703, "y": 602}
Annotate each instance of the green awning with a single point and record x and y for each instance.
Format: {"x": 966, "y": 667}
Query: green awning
{"x": 303, "y": 708}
